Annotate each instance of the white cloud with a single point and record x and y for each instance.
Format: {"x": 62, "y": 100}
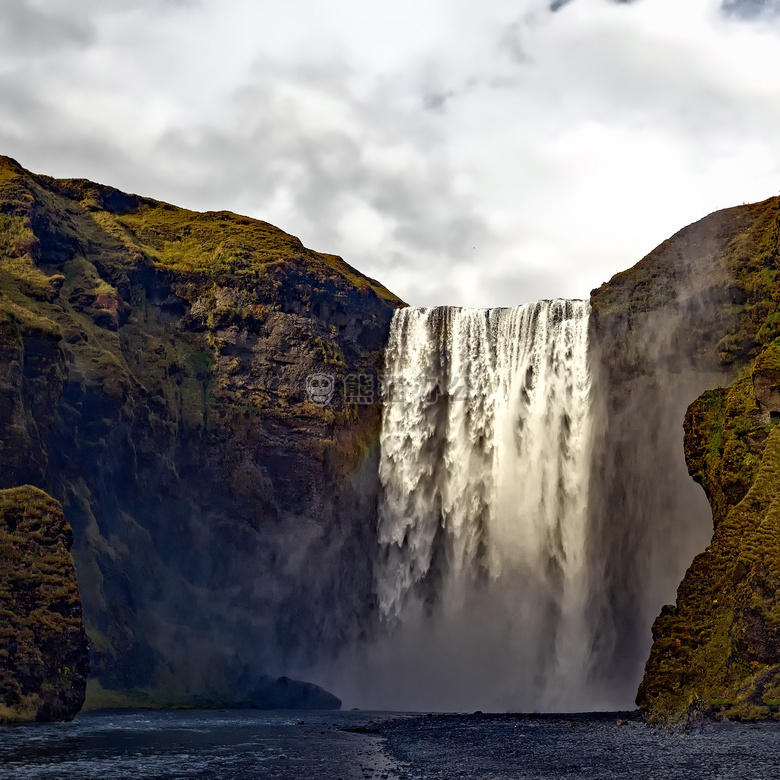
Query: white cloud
{"x": 469, "y": 153}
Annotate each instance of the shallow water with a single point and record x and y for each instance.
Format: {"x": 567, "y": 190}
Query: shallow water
{"x": 249, "y": 744}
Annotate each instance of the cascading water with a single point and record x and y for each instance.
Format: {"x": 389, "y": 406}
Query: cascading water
{"x": 485, "y": 457}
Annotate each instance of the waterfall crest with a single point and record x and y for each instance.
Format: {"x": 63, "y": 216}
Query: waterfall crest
{"x": 485, "y": 458}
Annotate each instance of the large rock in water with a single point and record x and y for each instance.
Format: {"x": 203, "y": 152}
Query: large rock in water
{"x": 700, "y": 316}
{"x": 44, "y": 653}
{"x": 286, "y": 694}
{"x": 154, "y": 378}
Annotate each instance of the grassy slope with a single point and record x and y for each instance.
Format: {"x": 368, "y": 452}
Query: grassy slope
{"x": 75, "y": 260}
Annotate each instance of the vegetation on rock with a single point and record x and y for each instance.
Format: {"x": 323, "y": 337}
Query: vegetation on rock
{"x": 717, "y": 651}
{"x": 153, "y": 366}
{"x": 153, "y": 379}
{"x": 658, "y": 335}
{"x": 44, "y": 655}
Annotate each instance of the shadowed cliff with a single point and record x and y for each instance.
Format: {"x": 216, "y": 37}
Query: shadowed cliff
{"x": 153, "y": 379}
{"x": 44, "y": 654}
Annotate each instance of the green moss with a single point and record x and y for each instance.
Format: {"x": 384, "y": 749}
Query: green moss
{"x": 718, "y": 650}
{"x": 740, "y": 247}
{"x": 754, "y": 262}
{"x": 230, "y": 249}
{"x": 330, "y": 354}
{"x": 99, "y": 698}
{"x": 43, "y": 648}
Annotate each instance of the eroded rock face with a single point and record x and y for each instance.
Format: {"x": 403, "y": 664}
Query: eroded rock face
{"x": 766, "y": 388}
{"x": 156, "y": 377}
{"x": 44, "y": 653}
{"x": 717, "y": 650}
{"x": 692, "y": 315}
{"x": 153, "y": 378}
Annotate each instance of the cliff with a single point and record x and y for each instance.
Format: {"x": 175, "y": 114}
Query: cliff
{"x": 199, "y": 391}
{"x": 655, "y": 336}
{"x": 44, "y": 654}
{"x": 717, "y": 651}
{"x": 698, "y": 317}
{"x": 155, "y": 369}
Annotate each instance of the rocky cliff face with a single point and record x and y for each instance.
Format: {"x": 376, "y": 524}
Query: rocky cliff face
{"x": 700, "y": 312}
{"x": 717, "y": 651}
{"x": 655, "y": 335}
{"x": 153, "y": 378}
{"x": 44, "y": 654}
{"x": 199, "y": 391}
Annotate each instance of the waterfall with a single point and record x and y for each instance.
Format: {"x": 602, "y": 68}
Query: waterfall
{"x": 485, "y": 457}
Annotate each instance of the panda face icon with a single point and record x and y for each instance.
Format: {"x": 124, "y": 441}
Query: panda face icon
{"x": 319, "y": 388}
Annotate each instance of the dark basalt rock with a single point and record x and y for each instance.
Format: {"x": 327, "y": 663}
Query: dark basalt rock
{"x": 656, "y": 336}
{"x": 286, "y": 694}
{"x": 44, "y": 653}
{"x": 153, "y": 378}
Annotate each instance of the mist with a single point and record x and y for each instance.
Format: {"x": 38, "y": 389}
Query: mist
{"x": 493, "y": 592}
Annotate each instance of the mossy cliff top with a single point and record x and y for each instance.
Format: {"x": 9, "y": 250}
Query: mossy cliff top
{"x": 153, "y": 378}
{"x": 47, "y": 218}
{"x": 716, "y": 277}
{"x": 44, "y": 656}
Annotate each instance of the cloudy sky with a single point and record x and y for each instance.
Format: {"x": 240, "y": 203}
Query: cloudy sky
{"x": 471, "y": 152}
